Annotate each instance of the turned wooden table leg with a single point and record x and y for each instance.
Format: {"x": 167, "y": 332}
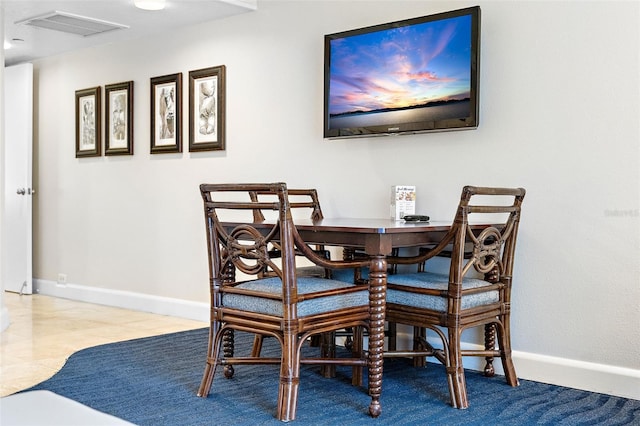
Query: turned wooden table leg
{"x": 228, "y": 347}
{"x": 490, "y": 330}
{"x": 377, "y": 300}
{"x": 489, "y": 344}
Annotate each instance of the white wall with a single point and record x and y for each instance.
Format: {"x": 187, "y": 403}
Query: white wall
{"x": 559, "y": 116}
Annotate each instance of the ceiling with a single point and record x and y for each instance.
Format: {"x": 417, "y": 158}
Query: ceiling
{"x": 30, "y": 43}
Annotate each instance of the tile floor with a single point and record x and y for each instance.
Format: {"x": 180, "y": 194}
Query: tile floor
{"x": 45, "y": 330}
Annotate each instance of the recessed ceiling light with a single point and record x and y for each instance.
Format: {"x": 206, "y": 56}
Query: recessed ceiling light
{"x": 13, "y": 43}
{"x": 149, "y": 4}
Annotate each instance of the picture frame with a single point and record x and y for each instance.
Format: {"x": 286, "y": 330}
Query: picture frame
{"x": 119, "y": 118}
{"x": 207, "y": 105}
{"x": 88, "y": 120}
{"x": 166, "y": 114}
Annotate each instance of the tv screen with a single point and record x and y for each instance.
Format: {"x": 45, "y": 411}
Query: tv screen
{"x": 411, "y": 76}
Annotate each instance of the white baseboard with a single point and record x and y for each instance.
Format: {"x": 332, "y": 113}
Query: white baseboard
{"x": 600, "y": 378}
{"x": 125, "y": 299}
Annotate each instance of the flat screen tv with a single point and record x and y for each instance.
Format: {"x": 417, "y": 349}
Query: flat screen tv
{"x": 411, "y": 76}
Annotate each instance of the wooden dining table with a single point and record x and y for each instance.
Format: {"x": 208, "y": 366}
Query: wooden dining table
{"x": 377, "y": 238}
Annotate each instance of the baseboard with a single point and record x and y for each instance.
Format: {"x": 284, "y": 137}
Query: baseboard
{"x": 125, "y": 299}
{"x": 593, "y": 377}
{"x": 601, "y": 378}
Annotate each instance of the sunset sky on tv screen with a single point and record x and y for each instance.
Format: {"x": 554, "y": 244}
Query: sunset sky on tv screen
{"x": 401, "y": 67}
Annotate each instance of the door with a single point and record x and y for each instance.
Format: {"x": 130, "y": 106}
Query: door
{"x": 17, "y": 217}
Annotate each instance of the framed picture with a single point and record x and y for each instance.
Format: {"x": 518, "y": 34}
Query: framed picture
{"x": 166, "y": 114}
{"x": 88, "y": 142}
{"x": 119, "y": 119}
{"x": 207, "y": 109}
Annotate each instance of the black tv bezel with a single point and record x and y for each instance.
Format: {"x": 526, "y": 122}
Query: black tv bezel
{"x": 469, "y": 123}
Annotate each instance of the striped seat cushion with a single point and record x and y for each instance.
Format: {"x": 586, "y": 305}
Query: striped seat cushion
{"x": 306, "y": 285}
{"x": 439, "y": 282}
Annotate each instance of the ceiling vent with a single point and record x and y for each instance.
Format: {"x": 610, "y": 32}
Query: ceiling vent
{"x": 72, "y": 24}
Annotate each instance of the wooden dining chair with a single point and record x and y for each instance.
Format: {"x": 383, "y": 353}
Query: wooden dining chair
{"x": 308, "y": 201}
{"x": 475, "y": 292}
{"x": 287, "y": 306}
{"x": 299, "y": 200}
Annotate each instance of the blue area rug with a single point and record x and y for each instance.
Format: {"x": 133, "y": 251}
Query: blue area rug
{"x": 153, "y": 381}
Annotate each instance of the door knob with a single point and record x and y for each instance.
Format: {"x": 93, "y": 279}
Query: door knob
{"x": 20, "y": 191}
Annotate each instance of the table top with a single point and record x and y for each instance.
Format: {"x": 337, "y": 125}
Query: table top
{"x": 370, "y": 226}
{"x": 376, "y": 236}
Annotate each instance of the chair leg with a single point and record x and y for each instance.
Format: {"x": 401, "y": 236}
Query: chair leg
{"x": 289, "y": 378}
{"x": 419, "y": 334}
{"x": 392, "y": 334}
{"x": 328, "y": 350}
{"x": 455, "y": 372}
{"x": 210, "y": 367}
{"x": 356, "y": 352}
{"x": 257, "y": 345}
{"x": 348, "y": 339}
{"x": 504, "y": 336}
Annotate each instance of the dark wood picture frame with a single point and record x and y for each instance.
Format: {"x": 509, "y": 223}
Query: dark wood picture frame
{"x": 166, "y": 114}
{"x": 88, "y": 120}
{"x": 119, "y": 118}
{"x": 207, "y": 104}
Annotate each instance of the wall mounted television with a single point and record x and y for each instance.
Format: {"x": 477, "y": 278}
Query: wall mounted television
{"x": 411, "y": 76}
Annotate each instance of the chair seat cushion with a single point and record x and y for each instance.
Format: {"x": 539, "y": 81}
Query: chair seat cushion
{"x": 306, "y": 285}
{"x": 438, "y": 282}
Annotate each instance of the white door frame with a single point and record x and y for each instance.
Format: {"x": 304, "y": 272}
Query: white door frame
{"x": 5, "y": 319}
